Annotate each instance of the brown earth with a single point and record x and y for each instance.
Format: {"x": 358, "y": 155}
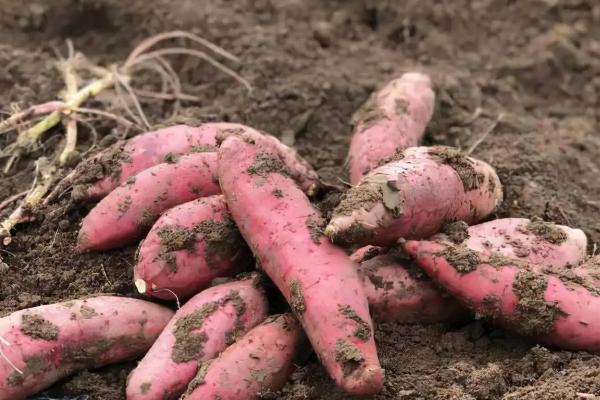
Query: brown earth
{"x": 312, "y": 63}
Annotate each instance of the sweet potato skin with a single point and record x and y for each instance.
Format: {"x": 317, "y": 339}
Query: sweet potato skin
{"x": 259, "y": 362}
{"x": 398, "y": 291}
{"x": 189, "y": 246}
{"x": 52, "y": 341}
{"x": 296, "y": 167}
{"x": 199, "y": 331}
{"x": 524, "y": 298}
{"x": 414, "y": 196}
{"x": 395, "y": 117}
{"x": 130, "y": 210}
{"x": 536, "y": 242}
{"x": 98, "y": 176}
{"x": 318, "y": 279}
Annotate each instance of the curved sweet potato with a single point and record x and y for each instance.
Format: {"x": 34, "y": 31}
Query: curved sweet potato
{"x": 259, "y": 362}
{"x": 189, "y": 246}
{"x": 295, "y": 166}
{"x": 518, "y": 296}
{"x": 95, "y": 177}
{"x": 199, "y": 331}
{"x": 50, "y": 342}
{"x": 398, "y": 290}
{"x": 533, "y": 241}
{"x": 395, "y": 117}
{"x": 414, "y": 196}
{"x": 318, "y": 279}
{"x": 130, "y": 210}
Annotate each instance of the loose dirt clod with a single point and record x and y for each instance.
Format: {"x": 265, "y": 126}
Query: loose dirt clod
{"x": 221, "y": 238}
{"x": 469, "y": 176}
{"x": 348, "y": 355}
{"x": 534, "y": 315}
{"x": 363, "y": 332}
{"x": 297, "y": 298}
{"x": 175, "y": 238}
{"x": 547, "y": 231}
{"x": 39, "y": 328}
{"x": 188, "y": 343}
{"x": 456, "y": 231}
{"x": 461, "y": 258}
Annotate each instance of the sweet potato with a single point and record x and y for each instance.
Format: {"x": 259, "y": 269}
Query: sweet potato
{"x": 188, "y": 247}
{"x": 201, "y": 329}
{"x": 295, "y": 166}
{"x": 393, "y": 118}
{"x": 413, "y": 196}
{"x": 130, "y": 210}
{"x": 43, "y": 344}
{"x": 533, "y": 241}
{"x": 259, "y": 362}
{"x": 518, "y": 296}
{"x": 398, "y": 290}
{"x": 96, "y": 177}
{"x": 318, "y": 280}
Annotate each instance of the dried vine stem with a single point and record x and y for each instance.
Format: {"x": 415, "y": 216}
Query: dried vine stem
{"x": 117, "y": 76}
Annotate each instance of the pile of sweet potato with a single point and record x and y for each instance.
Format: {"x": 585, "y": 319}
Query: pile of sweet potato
{"x": 216, "y": 201}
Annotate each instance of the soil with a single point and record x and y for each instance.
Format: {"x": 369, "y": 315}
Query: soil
{"x": 531, "y": 67}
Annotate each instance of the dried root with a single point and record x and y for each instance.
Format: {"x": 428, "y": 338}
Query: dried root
{"x": 69, "y": 110}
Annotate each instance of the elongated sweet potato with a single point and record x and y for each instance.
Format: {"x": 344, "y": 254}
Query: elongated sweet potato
{"x": 130, "y": 210}
{"x": 96, "y": 177}
{"x": 395, "y": 117}
{"x": 188, "y": 247}
{"x": 398, "y": 290}
{"x": 318, "y": 280}
{"x": 295, "y": 166}
{"x": 518, "y": 296}
{"x": 199, "y": 331}
{"x": 47, "y": 343}
{"x": 259, "y": 362}
{"x": 533, "y": 241}
{"x": 414, "y": 196}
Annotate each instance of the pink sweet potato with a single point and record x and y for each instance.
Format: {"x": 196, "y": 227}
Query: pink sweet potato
{"x": 188, "y": 247}
{"x": 295, "y": 166}
{"x": 96, "y": 177}
{"x": 398, "y": 290}
{"x": 259, "y": 362}
{"x": 44, "y": 344}
{"x": 395, "y": 117}
{"x": 413, "y": 196}
{"x": 130, "y": 210}
{"x": 533, "y": 241}
{"x": 517, "y": 296}
{"x": 318, "y": 280}
{"x": 199, "y": 331}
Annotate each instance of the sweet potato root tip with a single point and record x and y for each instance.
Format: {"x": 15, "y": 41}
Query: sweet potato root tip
{"x": 140, "y": 285}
